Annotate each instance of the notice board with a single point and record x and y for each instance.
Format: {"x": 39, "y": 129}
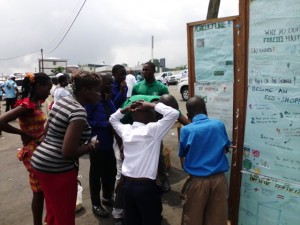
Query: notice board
{"x": 270, "y": 186}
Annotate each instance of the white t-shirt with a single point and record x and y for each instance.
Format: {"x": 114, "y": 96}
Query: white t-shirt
{"x": 130, "y": 81}
{"x": 59, "y": 93}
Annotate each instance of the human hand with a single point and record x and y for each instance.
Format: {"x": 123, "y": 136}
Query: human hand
{"x": 40, "y": 139}
{"x": 26, "y": 138}
{"x": 123, "y": 86}
{"x": 94, "y": 143}
{"x": 142, "y": 105}
{"x": 135, "y": 105}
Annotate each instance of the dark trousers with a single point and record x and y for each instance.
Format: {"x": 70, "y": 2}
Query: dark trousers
{"x": 162, "y": 174}
{"x": 102, "y": 173}
{"x": 10, "y": 102}
{"x": 142, "y": 203}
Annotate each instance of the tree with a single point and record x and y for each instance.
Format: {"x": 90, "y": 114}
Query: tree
{"x": 182, "y": 67}
{"x": 58, "y": 69}
{"x": 155, "y": 62}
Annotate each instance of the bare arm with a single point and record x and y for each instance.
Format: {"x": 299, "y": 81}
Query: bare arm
{"x": 71, "y": 148}
{"x": 183, "y": 120}
{"x": 13, "y": 115}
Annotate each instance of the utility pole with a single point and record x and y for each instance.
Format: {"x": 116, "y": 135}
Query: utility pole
{"x": 213, "y": 9}
{"x": 152, "y": 46}
{"x": 42, "y": 60}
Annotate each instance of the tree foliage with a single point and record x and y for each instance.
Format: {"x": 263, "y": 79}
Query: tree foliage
{"x": 58, "y": 69}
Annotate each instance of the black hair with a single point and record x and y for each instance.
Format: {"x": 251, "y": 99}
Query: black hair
{"x": 84, "y": 79}
{"x": 151, "y": 64}
{"x": 169, "y": 100}
{"x": 116, "y": 68}
{"x": 30, "y": 81}
{"x": 55, "y": 80}
{"x": 196, "y": 105}
{"x": 63, "y": 78}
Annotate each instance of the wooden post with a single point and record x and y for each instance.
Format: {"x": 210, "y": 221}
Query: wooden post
{"x": 213, "y": 9}
{"x": 241, "y": 84}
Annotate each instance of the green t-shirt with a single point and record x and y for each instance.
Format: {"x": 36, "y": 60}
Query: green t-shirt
{"x": 155, "y": 88}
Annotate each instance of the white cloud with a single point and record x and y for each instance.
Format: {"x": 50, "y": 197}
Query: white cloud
{"x": 113, "y": 31}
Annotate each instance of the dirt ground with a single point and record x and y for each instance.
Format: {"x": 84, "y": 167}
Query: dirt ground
{"x": 15, "y": 204}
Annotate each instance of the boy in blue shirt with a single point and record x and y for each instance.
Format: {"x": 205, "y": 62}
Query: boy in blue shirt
{"x": 203, "y": 144}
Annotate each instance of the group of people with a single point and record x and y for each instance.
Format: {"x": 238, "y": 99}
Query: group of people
{"x": 122, "y": 130}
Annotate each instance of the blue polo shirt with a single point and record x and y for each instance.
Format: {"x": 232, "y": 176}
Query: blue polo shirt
{"x": 203, "y": 144}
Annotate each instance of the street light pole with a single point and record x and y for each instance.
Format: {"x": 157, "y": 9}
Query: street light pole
{"x": 42, "y": 61}
{"x": 152, "y": 47}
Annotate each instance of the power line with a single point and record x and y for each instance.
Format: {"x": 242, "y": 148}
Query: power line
{"x": 14, "y": 57}
{"x": 68, "y": 29}
{"x": 63, "y": 28}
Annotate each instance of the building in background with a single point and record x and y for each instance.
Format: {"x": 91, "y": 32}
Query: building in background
{"x": 107, "y": 68}
{"x": 90, "y": 67}
{"x": 48, "y": 65}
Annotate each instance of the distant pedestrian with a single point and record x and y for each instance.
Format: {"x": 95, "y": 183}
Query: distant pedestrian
{"x": 60, "y": 90}
{"x": 165, "y": 80}
{"x": 203, "y": 144}
{"x": 139, "y": 77}
{"x": 35, "y": 90}
{"x": 10, "y": 89}
{"x": 130, "y": 81}
{"x": 50, "y": 100}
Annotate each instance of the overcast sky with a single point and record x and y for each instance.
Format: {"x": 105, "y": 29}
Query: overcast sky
{"x": 111, "y": 31}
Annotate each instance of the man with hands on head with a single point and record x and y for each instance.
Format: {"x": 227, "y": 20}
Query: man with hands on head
{"x": 142, "y": 141}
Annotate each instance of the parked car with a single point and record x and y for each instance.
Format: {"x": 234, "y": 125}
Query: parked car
{"x": 183, "y": 88}
{"x": 173, "y": 79}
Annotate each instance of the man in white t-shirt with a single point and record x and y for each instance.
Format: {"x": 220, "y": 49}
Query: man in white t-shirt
{"x": 130, "y": 81}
